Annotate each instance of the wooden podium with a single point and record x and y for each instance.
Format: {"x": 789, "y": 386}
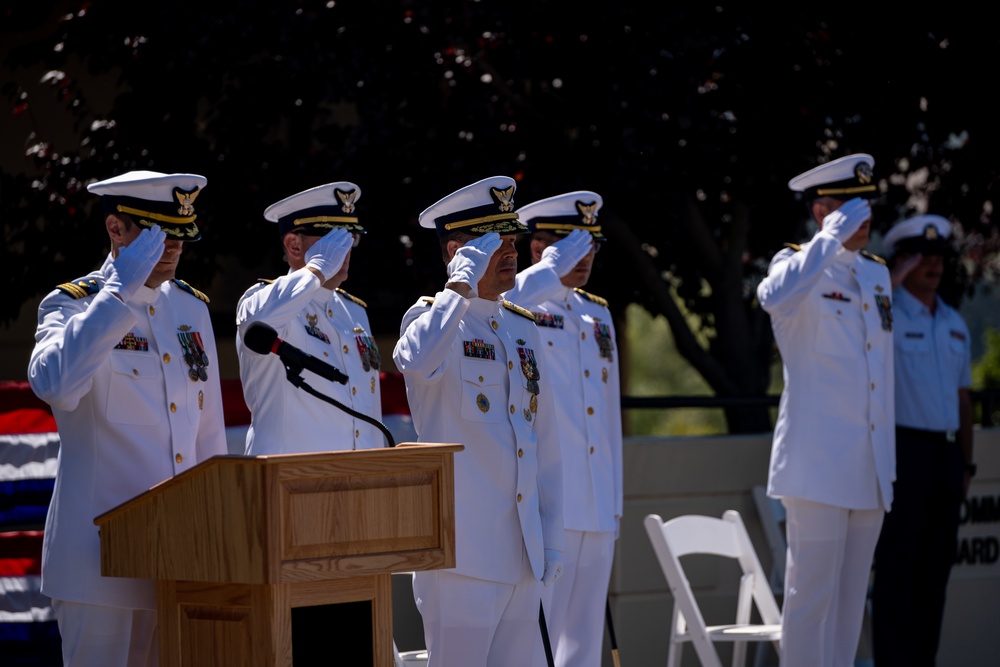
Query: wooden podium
{"x": 243, "y": 548}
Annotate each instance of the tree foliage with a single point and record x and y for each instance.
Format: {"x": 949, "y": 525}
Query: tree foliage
{"x": 689, "y": 119}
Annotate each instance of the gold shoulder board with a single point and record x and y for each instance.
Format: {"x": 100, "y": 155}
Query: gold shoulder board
{"x": 190, "y": 290}
{"x": 351, "y": 297}
{"x": 514, "y": 308}
{"x": 873, "y": 257}
{"x": 591, "y": 297}
{"x": 79, "y": 289}
{"x": 794, "y": 246}
{"x": 265, "y": 281}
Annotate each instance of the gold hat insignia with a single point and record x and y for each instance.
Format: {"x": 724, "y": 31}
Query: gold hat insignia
{"x": 863, "y": 172}
{"x": 347, "y": 200}
{"x": 587, "y": 211}
{"x": 186, "y": 200}
{"x": 505, "y": 197}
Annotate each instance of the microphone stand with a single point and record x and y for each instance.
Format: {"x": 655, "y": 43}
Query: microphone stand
{"x": 292, "y": 373}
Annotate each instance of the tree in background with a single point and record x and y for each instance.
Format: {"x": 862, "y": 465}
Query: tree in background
{"x": 689, "y": 120}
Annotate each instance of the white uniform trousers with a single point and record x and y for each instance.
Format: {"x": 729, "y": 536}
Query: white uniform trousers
{"x": 829, "y": 561}
{"x": 99, "y": 636}
{"x": 575, "y": 602}
{"x": 477, "y": 623}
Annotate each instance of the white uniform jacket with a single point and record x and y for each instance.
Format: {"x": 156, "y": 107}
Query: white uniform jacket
{"x": 473, "y": 377}
{"x": 581, "y": 358}
{"x": 332, "y": 326}
{"x": 831, "y": 312}
{"x": 933, "y": 361}
{"x": 129, "y": 413}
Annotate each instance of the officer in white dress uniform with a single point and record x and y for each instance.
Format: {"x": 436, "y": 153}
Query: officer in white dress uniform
{"x": 474, "y": 376}
{"x": 307, "y": 308}
{"x": 833, "y": 456}
{"x": 126, "y": 357}
{"x": 579, "y": 347}
{"x": 934, "y": 465}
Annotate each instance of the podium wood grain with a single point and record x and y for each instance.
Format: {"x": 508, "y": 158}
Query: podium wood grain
{"x": 236, "y": 543}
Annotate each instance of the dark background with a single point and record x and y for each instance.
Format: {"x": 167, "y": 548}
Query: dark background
{"x": 688, "y": 118}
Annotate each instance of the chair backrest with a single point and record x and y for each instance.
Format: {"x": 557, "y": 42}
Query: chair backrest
{"x": 697, "y": 534}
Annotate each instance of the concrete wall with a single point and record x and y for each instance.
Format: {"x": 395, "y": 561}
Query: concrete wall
{"x": 671, "y": 476}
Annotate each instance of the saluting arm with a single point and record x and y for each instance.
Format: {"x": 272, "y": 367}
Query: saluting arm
{"x": 426, "y": 336}
{"x": 74, "y": 339}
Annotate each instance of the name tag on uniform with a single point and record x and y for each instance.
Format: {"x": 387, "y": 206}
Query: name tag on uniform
{"x": 913, "y": 334}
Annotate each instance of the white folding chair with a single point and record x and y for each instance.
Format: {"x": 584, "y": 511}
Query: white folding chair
{"x": 726, "y": 537}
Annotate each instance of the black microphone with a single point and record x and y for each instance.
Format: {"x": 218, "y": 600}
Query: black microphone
{"x": 263, "y": 339}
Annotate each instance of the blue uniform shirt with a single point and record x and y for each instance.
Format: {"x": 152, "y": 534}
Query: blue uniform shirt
{"x": 932, "y": 362}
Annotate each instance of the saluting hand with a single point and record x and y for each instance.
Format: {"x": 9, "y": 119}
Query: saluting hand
{"x": 470, "y": 262}
{"x": 902, "y": 268}
{"x": 567, "y": 252}
{"x": 131, "y": 268}
{"x": 328, "y": 254}
{"x": 847, "y": 219}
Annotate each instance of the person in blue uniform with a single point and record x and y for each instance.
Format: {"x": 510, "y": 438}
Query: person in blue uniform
{"x": 318, "y": 229}
{"x": 579, "y": 345}
{"x": 934, "y": 462}
{"x": 127, "y": 359}
{"x": 833, "y": 451}
{"x": 474, "y": 375}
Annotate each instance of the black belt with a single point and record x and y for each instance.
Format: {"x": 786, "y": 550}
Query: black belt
{"x": 923, "y": 434}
